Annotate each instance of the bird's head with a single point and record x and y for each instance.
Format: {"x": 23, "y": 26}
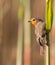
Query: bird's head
{"x": 35, "y": 21}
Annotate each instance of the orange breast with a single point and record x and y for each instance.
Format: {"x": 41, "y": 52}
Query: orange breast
{"x": 34, "y": 23}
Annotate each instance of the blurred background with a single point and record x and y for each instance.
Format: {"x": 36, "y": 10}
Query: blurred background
{"x": 17, "y": 38}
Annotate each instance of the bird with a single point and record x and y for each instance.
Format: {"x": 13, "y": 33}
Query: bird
{"x": 40, "y": 30}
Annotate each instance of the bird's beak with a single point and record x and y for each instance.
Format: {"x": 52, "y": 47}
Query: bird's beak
{"x": 29, "y": 21}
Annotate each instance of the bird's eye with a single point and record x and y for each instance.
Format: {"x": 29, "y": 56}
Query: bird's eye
{"x": 33, "y": 19}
